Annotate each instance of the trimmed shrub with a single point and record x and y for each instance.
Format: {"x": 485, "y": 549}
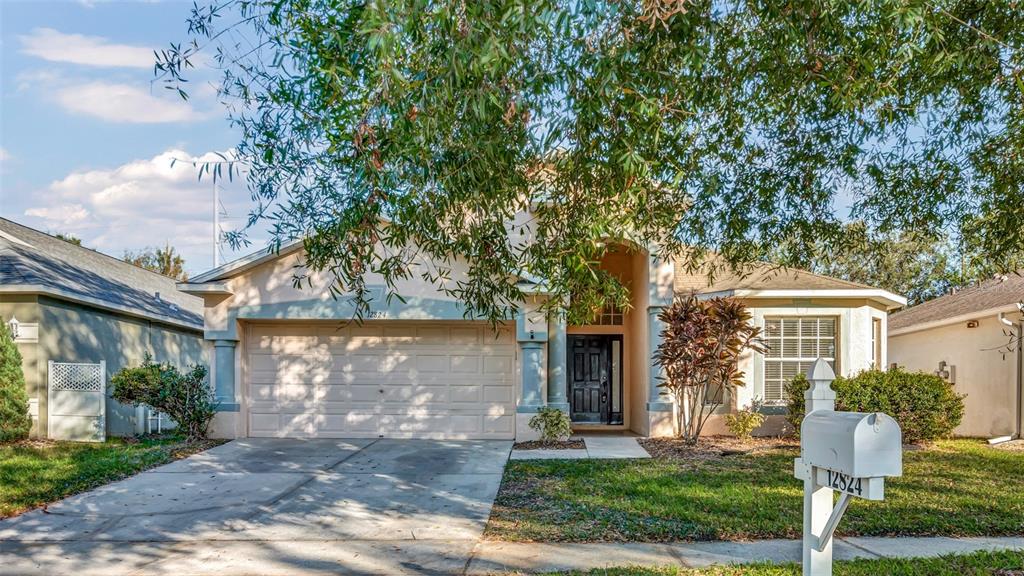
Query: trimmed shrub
{"x": 795, "y": 409}
{"x": 742, "y": 423}
{"x": 925, "y": 405}
{"x": 186, "y": 397}
{"x": 552, "y": 424}
{"x": 15, "y": 422}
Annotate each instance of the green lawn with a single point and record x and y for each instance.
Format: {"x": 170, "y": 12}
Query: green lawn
{"x": 36, "y": 473}
{"x": 990, "y": 563}
{"x": 956, "y": 488}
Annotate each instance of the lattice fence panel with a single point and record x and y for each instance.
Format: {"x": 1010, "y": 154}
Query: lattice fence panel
{"x": 76, "y": 377}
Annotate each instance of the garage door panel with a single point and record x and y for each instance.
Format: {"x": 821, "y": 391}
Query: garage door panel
{"x": 414, "y": 396}
{"x": 464, "y": 364}
{"x": 436, "y": 336}
{"x": 355, "y": 424}
{"x": 262, "y": 424}
{"x": 398, "y": 336}
{"x": 503, "y": 424}
{"x": 466, "y": 423}
{"x": 339, "y": 393}
{"x": 497, "y": 394}
{"x": 415, "y": 425}
{"x": 394, "y": 380}
{"x": 465, "y": 336}
{"x": 295, "y": 424}
{"x": 266, "y": 393}
{"x": 364, "y": 363}
{"x": 501, "y": 365}
{"x": 365, "y": 393}
{"x": 436, "y": 363}
{"x": 466, "y": 394}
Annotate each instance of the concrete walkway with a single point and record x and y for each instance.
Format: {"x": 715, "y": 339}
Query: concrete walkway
{"x": 597, "y": 447}
{"x": 491, "y": 557}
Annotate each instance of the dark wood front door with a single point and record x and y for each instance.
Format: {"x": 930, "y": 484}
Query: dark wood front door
{"x": 589, "y": 376}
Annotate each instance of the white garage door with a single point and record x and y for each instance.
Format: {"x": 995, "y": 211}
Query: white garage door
{"x": 383, "y": 379}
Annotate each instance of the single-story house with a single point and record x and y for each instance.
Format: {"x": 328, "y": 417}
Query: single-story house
{"x": 71, "y": 305}
{"x": 971, "y": 338}
{"x": 288, "y": 362}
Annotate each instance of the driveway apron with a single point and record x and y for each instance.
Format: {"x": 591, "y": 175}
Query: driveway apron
{"x": 269, "y": 506}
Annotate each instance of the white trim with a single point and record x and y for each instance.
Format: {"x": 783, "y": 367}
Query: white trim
{"x": 96, "y": 303}
{"x": 246, "y": 262}
{"x": 210, "y": 288}
{"x": 870, "y": 293}
{"x": 952, "y": 320}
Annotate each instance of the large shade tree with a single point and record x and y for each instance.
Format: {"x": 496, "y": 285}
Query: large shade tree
{"x": 166, "y": 261}
{"x": 422, "y": 126}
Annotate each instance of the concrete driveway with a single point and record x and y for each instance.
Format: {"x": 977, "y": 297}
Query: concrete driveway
{"x": 273, "y": 506}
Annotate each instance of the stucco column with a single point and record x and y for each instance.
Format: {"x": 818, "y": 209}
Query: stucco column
{"x": 557, "y": 397}
{"x": 655, "y": 401}
{"x": 224, "y": 375}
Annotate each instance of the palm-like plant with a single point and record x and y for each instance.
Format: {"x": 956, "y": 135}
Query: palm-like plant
{"x": 699, "y": 352}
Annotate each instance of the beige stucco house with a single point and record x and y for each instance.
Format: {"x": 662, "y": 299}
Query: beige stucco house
{"x": 288, "y": 362}
{"x": 972, "y": 339}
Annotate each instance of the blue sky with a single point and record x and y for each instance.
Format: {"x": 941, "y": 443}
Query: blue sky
{"x": 87, "y": 139}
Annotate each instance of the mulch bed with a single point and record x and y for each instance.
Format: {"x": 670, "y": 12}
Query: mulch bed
{"x": 38, "y": 443}
{"x": 574, "y": 444}
{"x": 712, "y": 447}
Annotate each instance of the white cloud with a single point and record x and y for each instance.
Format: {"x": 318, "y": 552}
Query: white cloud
{"x": 139, "y": 204}
{"x": 56, "y": 46}
{"x": 124, "y": 103}
{"x": 68, "y": 214}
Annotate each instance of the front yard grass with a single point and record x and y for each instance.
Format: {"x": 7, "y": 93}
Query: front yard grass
{"x": 1003, "y": 563}
{"x": 38, "y": 472}
{"x": 954, "y": 488}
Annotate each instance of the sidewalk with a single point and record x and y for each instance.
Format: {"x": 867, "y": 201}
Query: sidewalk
{"x": 490, "y": 557}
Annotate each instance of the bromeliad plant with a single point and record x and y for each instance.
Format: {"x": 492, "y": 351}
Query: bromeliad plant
{"x": 700, "y": 350}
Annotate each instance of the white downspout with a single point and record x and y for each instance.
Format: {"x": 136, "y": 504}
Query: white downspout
{"x": 1018, "y": 330}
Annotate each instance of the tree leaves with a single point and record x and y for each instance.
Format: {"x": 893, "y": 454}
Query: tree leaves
{"x": 386, "y": 131}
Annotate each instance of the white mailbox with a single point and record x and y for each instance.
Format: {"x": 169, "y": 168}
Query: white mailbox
{"x": 861, "y": 445}
{"x": 848, "y": 452}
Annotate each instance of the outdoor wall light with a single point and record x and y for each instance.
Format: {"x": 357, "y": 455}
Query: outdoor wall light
{"x": 13, "y": 325}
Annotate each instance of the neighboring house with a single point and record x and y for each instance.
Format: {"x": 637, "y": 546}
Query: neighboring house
{"x": 287, "y": 361}
{"x": 966, "y": 337}
{"x": 71, "y": 304}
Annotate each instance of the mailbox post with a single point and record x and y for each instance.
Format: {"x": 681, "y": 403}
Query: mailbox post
{"x": 851, "y": 452}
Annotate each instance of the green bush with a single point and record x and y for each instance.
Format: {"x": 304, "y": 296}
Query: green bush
{"x": 186, "y": 397}
{"x": 742, "y": 423}
{"x": 552, "y": 424}
{"x": 15, "y": 423}
{"x": 925, "y": 405}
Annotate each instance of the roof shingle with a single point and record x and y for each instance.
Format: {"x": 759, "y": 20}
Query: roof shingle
{"x": 759, "y": 277}
{"x": 1001, "y": 291}
{"x": 29, "y": 257}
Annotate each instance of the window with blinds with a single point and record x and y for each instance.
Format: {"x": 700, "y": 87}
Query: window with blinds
{"x": 794, "y": 343}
